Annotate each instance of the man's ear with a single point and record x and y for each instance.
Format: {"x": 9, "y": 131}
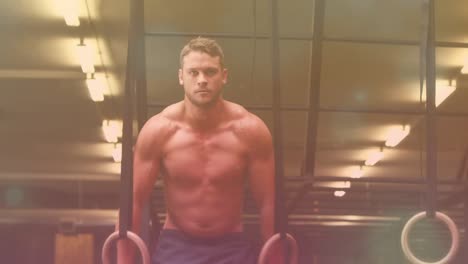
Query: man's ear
{"x": 225, "y": 75}
{"x": 181, "y": 80}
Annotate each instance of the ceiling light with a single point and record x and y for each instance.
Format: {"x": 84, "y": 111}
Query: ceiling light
{"x": 96, "y": 87}
{"x": 464, "y": 70}
{"x": 357, "y": 172}
{"x": 112, "y": 130}
{"x": 341, "y": 184}
{"x": 339, "y": 193}
{"x": 86, "y": 57}
{"x": 396, "y": 135}
{"x": 444, "y": 88}
{"x": 374, "y": 157}
{"x": 334, "y": 184}
{"x": 117, "y": 152}
{"x": 442, "y": 92}
{"x": 70, "y": 10}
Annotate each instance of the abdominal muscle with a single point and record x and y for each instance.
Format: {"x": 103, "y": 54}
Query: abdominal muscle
{"x": 205, "y": 211}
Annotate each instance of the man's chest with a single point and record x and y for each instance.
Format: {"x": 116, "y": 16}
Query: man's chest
{"x": 216, "y": 156}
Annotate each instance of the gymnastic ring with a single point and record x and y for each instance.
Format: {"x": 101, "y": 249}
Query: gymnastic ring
{"x": 267, "y": 247}
{"x": 453, "y": 232}
{"x": 106, "y": 259}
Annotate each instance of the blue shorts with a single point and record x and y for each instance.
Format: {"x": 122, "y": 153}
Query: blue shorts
{"x": 176, "y": 247}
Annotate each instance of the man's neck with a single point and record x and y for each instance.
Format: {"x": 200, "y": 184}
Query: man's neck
{"x": 204, "y": 118}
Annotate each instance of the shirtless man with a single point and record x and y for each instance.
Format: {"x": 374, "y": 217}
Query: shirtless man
{"x": 206, "y": 149}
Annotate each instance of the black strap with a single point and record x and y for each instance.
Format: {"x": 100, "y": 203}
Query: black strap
{"x": 423, "y": 46}
{"x": 280, "y": 212}
{"x": 431, "y": 138}
{"x": 126, "y": 168}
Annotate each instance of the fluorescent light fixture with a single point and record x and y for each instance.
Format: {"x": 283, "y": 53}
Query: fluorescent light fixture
{"x": 374, "y": 157}
{"x": 342, "y": 185}
{"x": 396, "y": 135}
{"x": 96, "y": 87}
{"x": 112, "y": 130}
{"x": 117, "y": 152}
{"x": 464, "y": 70}
{"x": 70, "y": 11}
{"x": 442, "y": 92}
{"x": 339, "y": 193}
{"x": 357, "y": 172}
{"x": 86, "y": 57}
{"x": 444, "y": 88}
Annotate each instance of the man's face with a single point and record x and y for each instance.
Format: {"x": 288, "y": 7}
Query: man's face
{"x": 203, "y": 78}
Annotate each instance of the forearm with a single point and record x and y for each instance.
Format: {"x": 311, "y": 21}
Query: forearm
{"x": 125, "y": 252}
{"x": 267, "y": 221}
{"x": 126, "y": 249}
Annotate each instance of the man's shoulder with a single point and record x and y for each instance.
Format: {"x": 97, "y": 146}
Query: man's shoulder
{"x": 246, "y": 122}
{"x": 239, "y": 113}
{"x": 163, "y": 122}
{"x": 236, "y": 111}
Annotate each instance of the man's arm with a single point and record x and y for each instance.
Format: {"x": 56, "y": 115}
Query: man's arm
{"x": 146, "y": 160}
{"x": 261, "y": 172}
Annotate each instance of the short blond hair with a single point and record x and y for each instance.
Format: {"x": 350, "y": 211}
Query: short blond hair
{"x": 205, "y": 45}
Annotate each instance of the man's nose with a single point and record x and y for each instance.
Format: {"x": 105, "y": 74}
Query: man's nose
{"x": 202, "y": 79}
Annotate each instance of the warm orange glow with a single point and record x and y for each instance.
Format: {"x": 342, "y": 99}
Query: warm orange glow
{"x": 444, "y": 89}
{"x": 374, "y": 157}
{"x": 112, "y": 130}
{"x": 340, "y": 184}
{"x": 396, "y": 135}
{"x": 86, "y": 57}
{"x": 464, "y": 70}
{"x": 117, "y": 152}
{"x": 443, "y": 92}
{"x": 96, "y": 87}
{"x": 357, "y": 172}
{"x": 339, "y": 193}
{"x": 70, "y": 12}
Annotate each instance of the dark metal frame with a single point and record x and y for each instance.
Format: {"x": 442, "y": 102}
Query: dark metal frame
{"x": 310, "y": 37}
{"x": 300, "y": 108}
{"x": 431, "y": 138}
{"x": 134, "y": 100}
{"x": 280, "y": 216}
{"x": 314, "y": 108}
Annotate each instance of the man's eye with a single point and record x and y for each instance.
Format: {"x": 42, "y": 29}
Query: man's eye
{"x": 194, "y": 73}
{"x": 210, "y": 72}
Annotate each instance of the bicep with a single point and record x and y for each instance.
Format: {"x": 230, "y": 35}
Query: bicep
{"x": 145, "y": 166}
{"x": 144, "y": 176}
{"x": 262, "y": 166}
{"x": 261, "y": 179}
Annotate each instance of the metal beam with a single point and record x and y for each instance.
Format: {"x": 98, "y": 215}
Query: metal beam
{"x": 381, "y": 180}
{"x": 40, "y": 74}
{"x": 431, "y": 121}
{"x": 140, "y": 65}
{"x": 292, "y": 205}
{"x": 335, "y": 110}
{"x": 314, "y": 90}
{"x": 465, "y": 217}
{"x": 78, "y": 217}
{"x": 126, "y": 171}
{"x": 280, "y": 210}
{"x": 302, "y": 37}
{"x": 141, "y": 108}
{"x": 463, "y": 167}
{"x": 38, "y": 176}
